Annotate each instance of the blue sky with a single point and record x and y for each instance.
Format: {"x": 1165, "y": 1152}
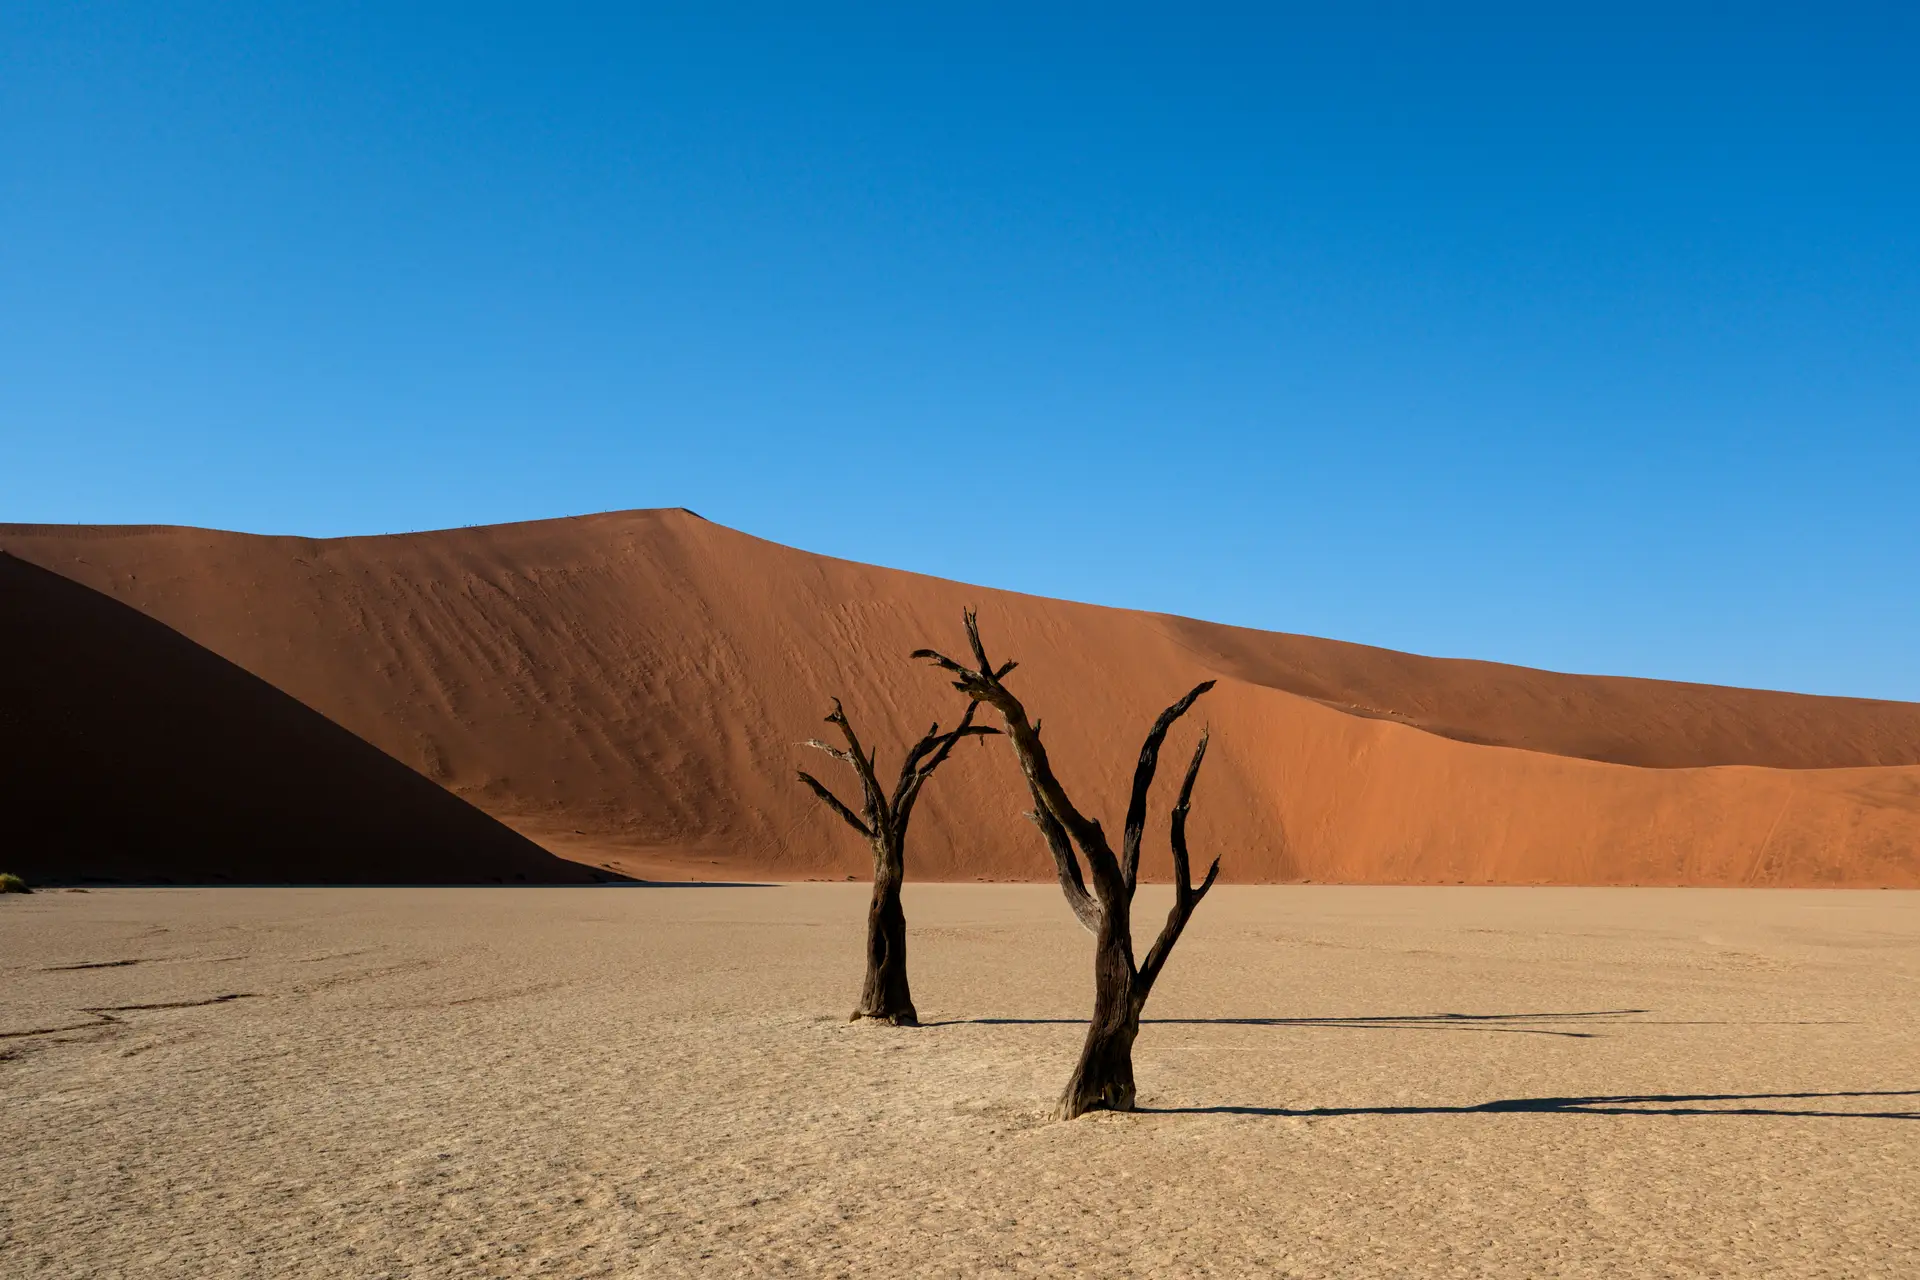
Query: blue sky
{"x": 1586, "y": 338}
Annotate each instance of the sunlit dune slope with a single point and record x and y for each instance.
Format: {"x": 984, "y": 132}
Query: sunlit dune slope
{"x": 129, "y": 753}
{"x": 629, "y": 687}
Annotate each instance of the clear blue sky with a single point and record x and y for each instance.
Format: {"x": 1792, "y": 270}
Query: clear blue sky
{"x": 1582, "y": 339}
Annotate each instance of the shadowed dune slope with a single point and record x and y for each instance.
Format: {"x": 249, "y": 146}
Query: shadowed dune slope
{"x": 129, "y": 753}
{"x": 629, "y": 687}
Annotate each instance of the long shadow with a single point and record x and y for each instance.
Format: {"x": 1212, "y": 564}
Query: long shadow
{"x": 131, "y": 755}
{"x": 1504, "y": 1023}
{"x": 1622, "y": 1105}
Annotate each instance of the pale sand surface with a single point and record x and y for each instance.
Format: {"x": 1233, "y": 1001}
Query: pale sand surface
{"x": 635, "y": 1081}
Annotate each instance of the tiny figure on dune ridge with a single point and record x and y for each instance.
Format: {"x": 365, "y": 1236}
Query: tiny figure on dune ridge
{"x": 883, "y": 821}
{"x": 1103, "y": 1080}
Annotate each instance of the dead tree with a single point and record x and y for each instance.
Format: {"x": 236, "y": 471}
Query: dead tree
{"x": 1104, "y": 1078}
{"x": 883, "y": 821}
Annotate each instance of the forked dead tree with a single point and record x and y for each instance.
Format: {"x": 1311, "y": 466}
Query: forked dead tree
{"x": 883, "y": 821}
{"x": 1104, "y": 1078}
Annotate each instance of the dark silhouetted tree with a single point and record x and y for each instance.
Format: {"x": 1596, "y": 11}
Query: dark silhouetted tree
{"x": 883, "y": 821}
{"x": 1103, "y": 1080}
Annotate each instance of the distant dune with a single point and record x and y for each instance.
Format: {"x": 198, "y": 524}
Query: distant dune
{"x": 627, "y": 689}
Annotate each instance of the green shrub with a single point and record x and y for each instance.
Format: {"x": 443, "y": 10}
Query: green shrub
{"x": 10, "y": 883}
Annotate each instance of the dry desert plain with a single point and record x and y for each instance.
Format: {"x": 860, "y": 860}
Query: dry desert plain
{"x": 660, "y": 1081}
{"x": 1385, "y": 1075}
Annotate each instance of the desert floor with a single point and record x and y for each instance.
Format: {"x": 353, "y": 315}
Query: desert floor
{"x": 661, "y": 1081}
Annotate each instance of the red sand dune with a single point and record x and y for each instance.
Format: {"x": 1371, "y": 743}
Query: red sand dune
{"x": 627, "y": 688}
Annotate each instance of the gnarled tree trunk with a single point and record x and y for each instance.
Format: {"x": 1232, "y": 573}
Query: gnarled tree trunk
{"x": 1103, "y": 1080}
{"x": 885, "y": 995}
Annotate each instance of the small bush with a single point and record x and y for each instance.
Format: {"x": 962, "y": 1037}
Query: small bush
{"x": 10, "y": 883}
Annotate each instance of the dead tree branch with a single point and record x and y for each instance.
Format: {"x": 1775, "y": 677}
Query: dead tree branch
{"x": 882, "y": 821}
{"x": 1104, "y": 1077}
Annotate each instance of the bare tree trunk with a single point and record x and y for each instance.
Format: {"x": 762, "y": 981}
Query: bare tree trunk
{"x": 1103, "y": 1080}
{"x": 886, "y": 995}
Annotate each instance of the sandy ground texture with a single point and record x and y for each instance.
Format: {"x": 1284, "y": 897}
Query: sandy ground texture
{"x": 623, "y": 1081}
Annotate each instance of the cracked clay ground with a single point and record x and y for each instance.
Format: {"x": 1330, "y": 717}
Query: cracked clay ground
{"x": 659, "y": 1082}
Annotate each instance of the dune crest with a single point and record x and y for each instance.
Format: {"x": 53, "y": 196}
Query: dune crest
{"x": 627, "y": 688}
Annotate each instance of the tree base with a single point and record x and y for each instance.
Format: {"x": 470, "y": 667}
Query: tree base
{"x": 901, "y": 1018}
{"x": 1080, "y": 1099}
{"x": 1104, "y": 1079}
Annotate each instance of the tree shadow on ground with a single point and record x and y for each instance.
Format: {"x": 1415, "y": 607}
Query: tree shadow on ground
{"x": 1564, "y": 1024}
{"x": 1649, "y": 1104}
{"x": 1507, "y": 1023}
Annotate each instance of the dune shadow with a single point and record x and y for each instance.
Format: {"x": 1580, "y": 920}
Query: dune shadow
{"x": 129, "y": 754}
{"x": 1559, "y": 1024}
{"x": 1647, "y": 1104}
